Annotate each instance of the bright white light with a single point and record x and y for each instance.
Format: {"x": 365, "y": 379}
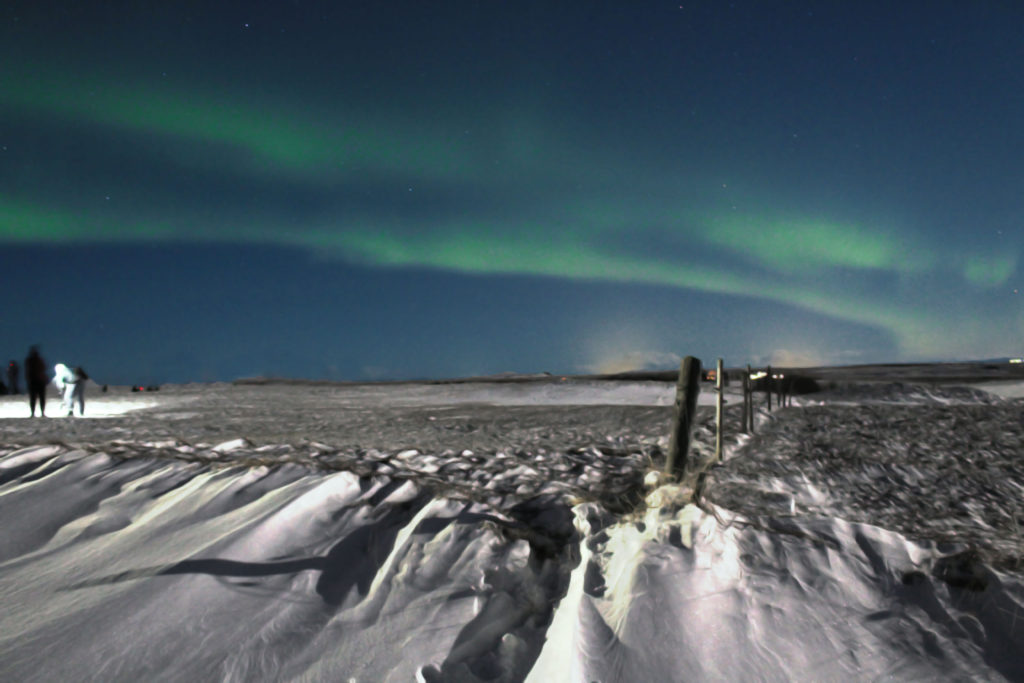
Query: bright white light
{"x": 17, "y": 406}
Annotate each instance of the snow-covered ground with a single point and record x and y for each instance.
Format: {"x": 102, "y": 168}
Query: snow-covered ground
{"x": 501, "y": 532}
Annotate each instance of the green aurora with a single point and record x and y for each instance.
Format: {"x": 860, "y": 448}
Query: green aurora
{"x": 512, "y": 192}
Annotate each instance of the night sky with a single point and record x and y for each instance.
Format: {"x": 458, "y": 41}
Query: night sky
{"x": 384, "y": 190}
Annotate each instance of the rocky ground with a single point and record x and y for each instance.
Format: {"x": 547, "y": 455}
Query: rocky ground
{"x": 940, "y": 464}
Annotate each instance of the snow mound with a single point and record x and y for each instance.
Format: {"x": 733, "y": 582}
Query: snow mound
{"x": 687, "y": 595}
{"x": 264, "y": 574}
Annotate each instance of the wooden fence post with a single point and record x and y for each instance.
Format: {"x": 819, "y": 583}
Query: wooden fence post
{"x": 720, "y": 388}
{"x": 687, "y": 389}
{"x": 748, "y": 402}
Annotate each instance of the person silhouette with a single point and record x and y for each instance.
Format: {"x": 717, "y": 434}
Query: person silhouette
{"x": 36, "y": 379}
{"x": 78, "y": 391}
{"x": 12, "y": 377}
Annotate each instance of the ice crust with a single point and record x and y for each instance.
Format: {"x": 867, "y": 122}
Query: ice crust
{"x": 410, "y": 533}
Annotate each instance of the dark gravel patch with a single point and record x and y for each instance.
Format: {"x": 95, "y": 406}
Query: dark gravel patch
{"x": 941, "y": 472}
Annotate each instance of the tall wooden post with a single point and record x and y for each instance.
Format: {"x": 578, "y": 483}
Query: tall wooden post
{"x": 748, "y": 402}
{"x": 769, "y": 386}
{"x": 687, "y": 390}
{"x": 719, "y": 388}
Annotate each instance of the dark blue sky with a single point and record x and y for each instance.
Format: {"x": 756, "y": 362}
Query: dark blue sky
{"x": 370, "y": 190}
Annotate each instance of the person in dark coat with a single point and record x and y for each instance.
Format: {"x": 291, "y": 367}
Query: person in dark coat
{"x": 12, "y": 377}
{"x": 78, "y": 394}
{"x": 36, "y": 378}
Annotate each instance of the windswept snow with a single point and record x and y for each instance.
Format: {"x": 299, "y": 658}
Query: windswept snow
{"x": 685, "y": 595}
{"x": 166, "y": 570}
{"x": 502, "y": 533}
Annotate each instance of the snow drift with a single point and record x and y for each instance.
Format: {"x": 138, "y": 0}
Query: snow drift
{"x": 283, "y": 533}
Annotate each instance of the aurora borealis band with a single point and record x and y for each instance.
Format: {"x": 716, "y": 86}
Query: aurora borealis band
{"x": 365, "y": 190}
